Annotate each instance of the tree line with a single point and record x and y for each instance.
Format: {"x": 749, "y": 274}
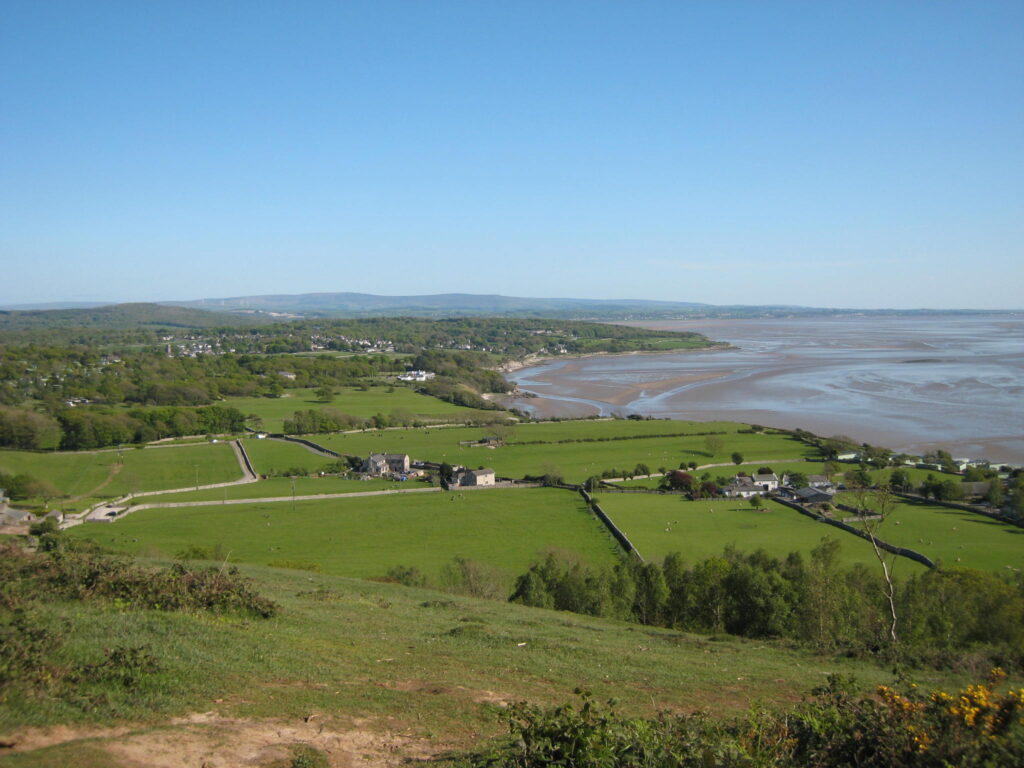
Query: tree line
{"x": 814, "y": 601}
{"x": 77, "y": 429}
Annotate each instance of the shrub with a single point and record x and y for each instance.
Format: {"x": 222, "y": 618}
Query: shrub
{"x": 75, "y": 575}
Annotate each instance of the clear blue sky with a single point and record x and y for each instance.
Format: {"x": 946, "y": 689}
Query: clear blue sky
{"x": 865, "y": 154}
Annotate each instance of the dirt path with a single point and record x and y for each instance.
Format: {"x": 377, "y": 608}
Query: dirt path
{"x": 209, "y": 740}
{"x": 115, "y": 470}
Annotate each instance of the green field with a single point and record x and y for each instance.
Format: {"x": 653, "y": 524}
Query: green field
{"x": 917, "y": 476}
{"x": 585, "y": 454}
{"x": 277, "y": 487}
{"x": 954, "y": 537}
{"x": 356, "y": 402}
{"x": 366, "y": 536}
{"x": 87, "y": 477}
{"x": 74, "y": 474}
{"x": 153, "y": 469}
{"x": 702, "y": 529}
{"x": 271, "y": 457}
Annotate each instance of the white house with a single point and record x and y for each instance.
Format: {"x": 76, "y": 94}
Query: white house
{"x": 742, "y": 487}
{"x": 768, "y": 482}
{"x": 416, "y": 376}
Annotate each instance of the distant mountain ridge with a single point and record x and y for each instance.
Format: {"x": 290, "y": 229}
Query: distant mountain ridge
{"x": 254, "y": 310}
{"x": 443, "y": 304}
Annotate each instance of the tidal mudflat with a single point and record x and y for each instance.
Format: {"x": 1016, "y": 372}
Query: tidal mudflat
{"x": 910, "y": 383}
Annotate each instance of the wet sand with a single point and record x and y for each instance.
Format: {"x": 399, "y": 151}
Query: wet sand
{"x": 909, "y": 383}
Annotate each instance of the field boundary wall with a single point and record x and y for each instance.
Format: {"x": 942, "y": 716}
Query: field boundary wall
{"x": 963, "y": 507}
{"x": 616, "y": 533}
{"x": 901, "y": 551}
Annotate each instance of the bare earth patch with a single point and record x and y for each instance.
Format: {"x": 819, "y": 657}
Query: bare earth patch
{"x": 208, "y": 740}
{"x": 451, "y": 691}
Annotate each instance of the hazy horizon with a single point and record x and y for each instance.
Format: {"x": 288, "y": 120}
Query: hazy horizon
{"x": 59, "y": 304}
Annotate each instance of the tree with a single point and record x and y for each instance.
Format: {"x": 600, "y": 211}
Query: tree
{"x": 876, "y": 505}
{"x": 325, "y": 393}
{"x": 859, "y": 478}
{"x": 714, "y": 444}
{"x": 737, "y": 457}
{"x": 651, "y": 594}
{"x": 899, "y": 480}
{"x": 798, "y": 480}
{"x": 756, "y": 502}
{"x": 995, "y": 495}
{"x": 678, "y": 480}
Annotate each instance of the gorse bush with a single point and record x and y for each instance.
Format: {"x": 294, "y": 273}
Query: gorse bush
{"x": 978, "y": 726}
{"x": 73, "y": 575}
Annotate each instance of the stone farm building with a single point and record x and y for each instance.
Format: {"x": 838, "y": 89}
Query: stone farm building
{"x": 378, "y": 464}
{"x": 744, "y": 487}
{"x": 479, "y": 477}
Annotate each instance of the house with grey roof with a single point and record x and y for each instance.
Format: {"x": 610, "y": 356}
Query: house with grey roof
{"x": 742, "y": 487}
{"x": 478, "y": 477}
{"x": 380, "y": 464}
{"x": 769, "y": 482}
{"x": 11, "y": 516}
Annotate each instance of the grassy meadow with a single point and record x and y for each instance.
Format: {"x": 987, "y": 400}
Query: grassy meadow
{"x": 74, "y": 474}
{"x": 364, "y": 537}
{"x": 87, "y": 477}
{"x": 270, "y": 457}
{"x": 953, "y": 537}
{"x": 575, "y": 450}
{"x": 357, "y": 402}
{"x": 658, "y": 525}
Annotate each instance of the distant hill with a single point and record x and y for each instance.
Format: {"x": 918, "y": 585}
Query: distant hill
{"x": 120, "y": 316}
{"x": 438, "y": 305}
{"x": 55, "y": 305}
{"x": 356, "y": 305}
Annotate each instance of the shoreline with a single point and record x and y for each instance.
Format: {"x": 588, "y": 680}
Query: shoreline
{"x": 783, "y": 389}
{"x": 536, "y": 361}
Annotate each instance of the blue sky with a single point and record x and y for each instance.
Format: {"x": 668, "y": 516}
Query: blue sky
{"x": 820, "y": 153}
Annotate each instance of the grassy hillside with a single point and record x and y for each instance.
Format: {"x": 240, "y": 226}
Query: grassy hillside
{"x": 373, "y": 672}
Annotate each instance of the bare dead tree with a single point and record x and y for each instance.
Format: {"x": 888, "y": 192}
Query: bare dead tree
{"x": 875, "y": 506}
